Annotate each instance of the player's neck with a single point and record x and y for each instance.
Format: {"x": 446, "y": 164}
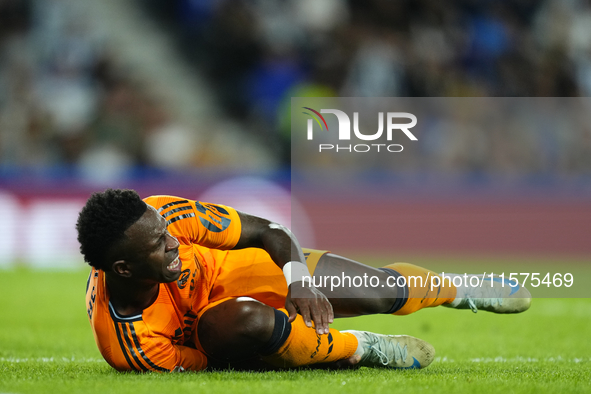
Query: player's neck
{"x": 130, "y": 297}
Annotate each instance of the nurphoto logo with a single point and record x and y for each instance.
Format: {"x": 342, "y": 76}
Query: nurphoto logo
{"x": 344, "y": 132}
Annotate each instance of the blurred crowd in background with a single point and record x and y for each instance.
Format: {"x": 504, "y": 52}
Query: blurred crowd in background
{"x": 65, "y": 108}
{"x": 65, "y": 105}
{"x": 157, "y": 95}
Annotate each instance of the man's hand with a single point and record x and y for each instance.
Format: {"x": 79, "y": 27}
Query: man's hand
{"x": 312, "y": 305}
{"x": 285, "y": 250}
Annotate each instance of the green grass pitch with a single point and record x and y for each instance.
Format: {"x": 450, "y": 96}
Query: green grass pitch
{"x": 46, "y": 345}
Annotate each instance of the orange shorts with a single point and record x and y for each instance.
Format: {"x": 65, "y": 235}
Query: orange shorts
{"x": 250, "y": 273}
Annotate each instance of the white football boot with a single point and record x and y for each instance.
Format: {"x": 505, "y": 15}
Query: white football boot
{"x": 498, "y": 295}
{"x": 392, "y": 351}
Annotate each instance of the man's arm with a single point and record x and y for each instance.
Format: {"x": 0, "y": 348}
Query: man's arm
{"x": 283, "y": 247}
{"x": 151, "y": 354}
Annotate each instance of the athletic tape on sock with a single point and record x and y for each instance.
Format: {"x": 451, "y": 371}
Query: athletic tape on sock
{"x": 402, "y": 297}
{"x": 281, "y": 332}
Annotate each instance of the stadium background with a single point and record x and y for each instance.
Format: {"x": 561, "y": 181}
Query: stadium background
{"x": 174, "y": 97}
{"x": 191, "y": 97}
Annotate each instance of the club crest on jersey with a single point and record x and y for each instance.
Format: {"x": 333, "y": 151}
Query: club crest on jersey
{"x": 183, "y": 279}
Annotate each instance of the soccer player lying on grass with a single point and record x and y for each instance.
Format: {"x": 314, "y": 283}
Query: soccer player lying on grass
{"x": 176, "y": 284}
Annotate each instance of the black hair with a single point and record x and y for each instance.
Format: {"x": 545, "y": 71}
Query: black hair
{"x": 103, "y": 221}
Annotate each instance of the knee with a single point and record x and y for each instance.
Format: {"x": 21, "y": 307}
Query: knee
{"x": 237, "y": 319}
{"x": 253, "y": 319}
{"x": 235, "y": 329}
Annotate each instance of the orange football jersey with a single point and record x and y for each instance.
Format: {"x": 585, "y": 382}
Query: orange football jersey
{"x": 164, "y": 336}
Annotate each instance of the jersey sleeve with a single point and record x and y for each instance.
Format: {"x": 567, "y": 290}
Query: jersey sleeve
{"x": 211, "y": 225}
{"x": 135, "y": 351}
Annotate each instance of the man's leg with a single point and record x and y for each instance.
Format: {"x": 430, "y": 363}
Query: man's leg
{"x": 239, "y": 329}
{"x": 357, "y": 289}
{"x": 236, "y": 330}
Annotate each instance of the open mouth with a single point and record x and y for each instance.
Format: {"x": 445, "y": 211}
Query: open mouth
{"x": 175, "y": 265}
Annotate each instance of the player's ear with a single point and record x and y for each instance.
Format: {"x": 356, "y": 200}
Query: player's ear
{"x": 121, "y": 268}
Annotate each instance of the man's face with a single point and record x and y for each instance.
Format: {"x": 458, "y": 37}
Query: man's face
{"x": 152, "y": 254}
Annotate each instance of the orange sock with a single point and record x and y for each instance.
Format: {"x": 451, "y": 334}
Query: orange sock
{"x": 305, "y": 347}
{"x": 424, "y": 291}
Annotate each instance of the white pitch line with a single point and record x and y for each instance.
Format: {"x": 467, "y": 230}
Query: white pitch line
{"x": 557, "y": 359}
